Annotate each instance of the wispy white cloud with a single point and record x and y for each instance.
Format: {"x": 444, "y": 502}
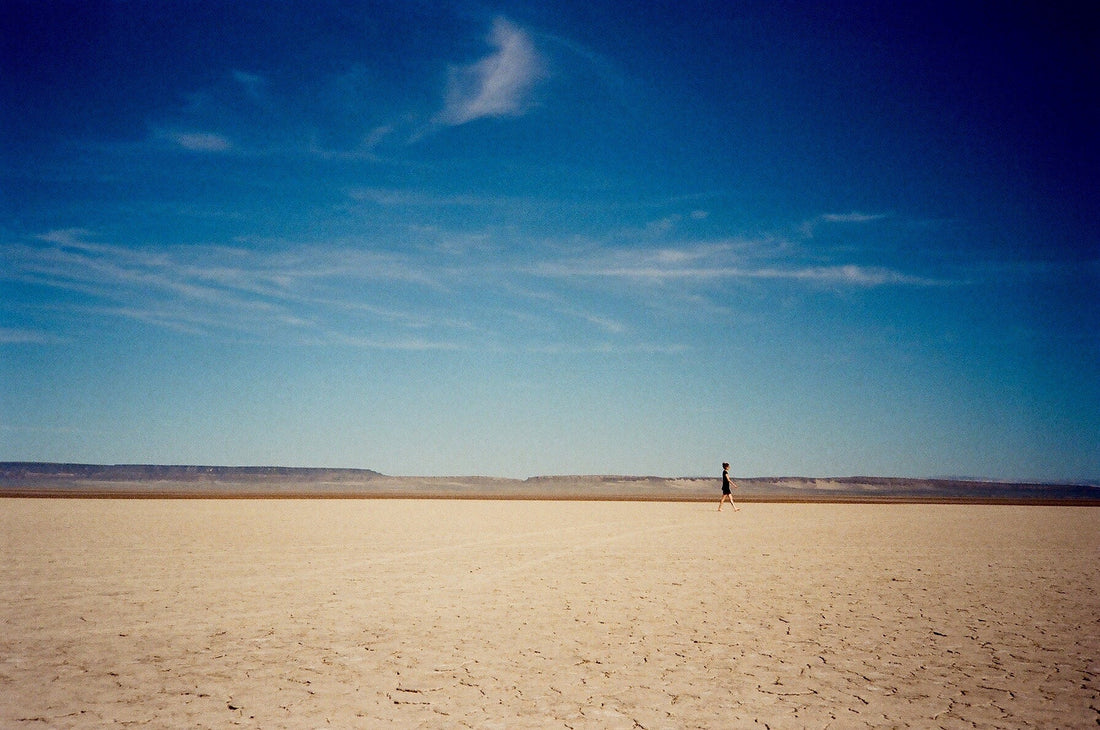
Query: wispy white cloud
{"x": 852, "y": 217}
{"x": 254, "y": 85}
{"x": 612, "y": 348}
{"x": 340, "y": 116}
{"x": 662, "y": 227}
{"x": 40, "y": 429}
{"x": 499, "y": 85}
{"x": 446, "y": 292}
{"x": 719, "y": 261}
{"x": 414, "y": 344}
{"x": 846, "y": 275}
{"x": 559, "y": 304}
{"x": 204, "y": 288}
{"x": 330, "y": 293}
{"x": 809, "y": 227}
{"x": 198, "y": 141}
{"x": 18, "y": 336}
{"x": 416, "y": 198}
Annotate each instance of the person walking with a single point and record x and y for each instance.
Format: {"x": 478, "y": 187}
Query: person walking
{"x": 726, "y": 484}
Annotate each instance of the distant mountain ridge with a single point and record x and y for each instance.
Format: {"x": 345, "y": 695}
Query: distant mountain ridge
{"x": 151, "y": 480}
{"x": 162, "y": 472}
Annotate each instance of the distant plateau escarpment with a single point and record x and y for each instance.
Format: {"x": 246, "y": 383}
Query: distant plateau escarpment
{"x": 30, "y": 479}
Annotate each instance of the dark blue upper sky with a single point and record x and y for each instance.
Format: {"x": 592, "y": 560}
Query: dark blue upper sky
{"x": 819, "y": 238}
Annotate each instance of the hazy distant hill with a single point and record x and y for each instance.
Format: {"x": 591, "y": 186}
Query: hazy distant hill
{"x": 176, "y": 480}
{"x": 25, "y": 478}
{"x": 157, "y": 472}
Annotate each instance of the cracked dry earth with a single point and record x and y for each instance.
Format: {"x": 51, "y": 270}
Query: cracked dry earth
{"x": 523, "y": 614}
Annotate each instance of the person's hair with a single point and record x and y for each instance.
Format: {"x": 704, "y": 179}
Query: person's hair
{"x": 725, "y": 465}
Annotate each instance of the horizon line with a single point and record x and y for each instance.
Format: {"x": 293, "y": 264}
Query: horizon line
{"x": 850, "y": 477}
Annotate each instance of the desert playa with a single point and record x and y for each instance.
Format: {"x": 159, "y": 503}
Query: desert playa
{"x": 287, "y": 613}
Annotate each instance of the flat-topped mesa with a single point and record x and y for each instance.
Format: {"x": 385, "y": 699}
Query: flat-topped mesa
{"x": 177, "y": 473}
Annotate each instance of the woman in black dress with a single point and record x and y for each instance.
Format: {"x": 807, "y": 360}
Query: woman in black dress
{"x": 726, "y": 484}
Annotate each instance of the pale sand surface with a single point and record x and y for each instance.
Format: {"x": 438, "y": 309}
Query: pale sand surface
{"x": 368, "y": 613}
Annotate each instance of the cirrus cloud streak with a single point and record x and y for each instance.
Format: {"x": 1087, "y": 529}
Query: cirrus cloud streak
{"x": 433, "y": 297}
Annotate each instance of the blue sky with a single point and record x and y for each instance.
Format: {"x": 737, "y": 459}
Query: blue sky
{"x": 527, "y": 238}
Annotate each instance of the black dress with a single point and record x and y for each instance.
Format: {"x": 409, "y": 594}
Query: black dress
{"x": 725, "y": 483}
